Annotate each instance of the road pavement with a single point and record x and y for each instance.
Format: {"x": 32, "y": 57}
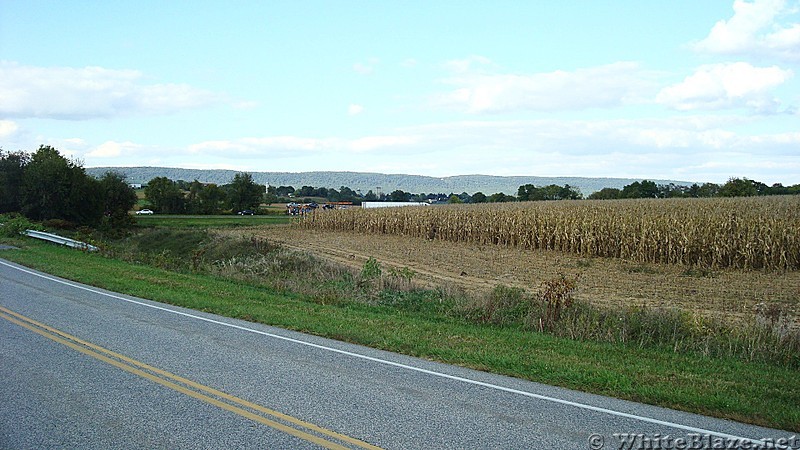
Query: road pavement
{"x": 86, "y": 368}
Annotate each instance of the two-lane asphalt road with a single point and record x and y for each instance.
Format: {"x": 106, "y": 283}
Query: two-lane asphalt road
{"x": 86, "y": 368}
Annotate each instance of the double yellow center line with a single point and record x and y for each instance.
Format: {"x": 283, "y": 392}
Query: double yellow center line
{"x": 277, "y": 420}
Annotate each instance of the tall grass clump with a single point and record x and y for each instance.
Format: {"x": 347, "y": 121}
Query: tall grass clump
{"x": 768, "y": 337}
{"x": 744, "y": 233}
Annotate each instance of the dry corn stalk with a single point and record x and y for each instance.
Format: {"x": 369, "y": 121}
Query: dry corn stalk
{"x": 746, "y": 233}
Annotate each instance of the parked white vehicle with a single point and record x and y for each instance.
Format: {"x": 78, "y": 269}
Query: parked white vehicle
{"x": 146, "y": 212}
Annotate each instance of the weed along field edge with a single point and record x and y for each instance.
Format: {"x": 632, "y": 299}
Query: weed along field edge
{"x": 715, "y": 341}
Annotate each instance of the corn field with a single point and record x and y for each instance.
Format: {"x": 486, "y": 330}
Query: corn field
{"x": 744, "y": 233}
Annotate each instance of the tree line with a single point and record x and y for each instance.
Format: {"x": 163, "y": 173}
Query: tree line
{"x": 180, "y": 197}
{"x": 46, "y": 186}
{"x": 734, "y": 187}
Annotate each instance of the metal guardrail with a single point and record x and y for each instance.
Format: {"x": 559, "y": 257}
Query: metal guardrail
{"x": 61, "y": 240}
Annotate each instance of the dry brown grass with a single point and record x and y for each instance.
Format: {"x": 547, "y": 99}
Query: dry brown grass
{"x": 726, "y": 293}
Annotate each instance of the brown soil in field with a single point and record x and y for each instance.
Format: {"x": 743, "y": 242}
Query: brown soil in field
{"x": 603, "y": 281}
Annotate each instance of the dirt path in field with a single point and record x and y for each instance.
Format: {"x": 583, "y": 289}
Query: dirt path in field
{"x": 601, "y": 280}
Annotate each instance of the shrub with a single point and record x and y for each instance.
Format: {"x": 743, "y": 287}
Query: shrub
{"x": 370, "y": 276}
{"x": 505, "y": 306}
{"x": 59, "y": 224}
{"x": 555, "y": 295}
{"x": 12, "y": 225}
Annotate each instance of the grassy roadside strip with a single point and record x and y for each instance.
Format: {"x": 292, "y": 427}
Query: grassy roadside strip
{"x": 747, "y": 392}
{"x": 183, "y": 221}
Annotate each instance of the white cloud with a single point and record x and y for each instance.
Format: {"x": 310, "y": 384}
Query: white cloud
{"x": 467, "y": 64}
{"x": 90, "y": 92}
{"x": 596, "y": 87}
{"x": 74, "y": 141}
{"x": 355, "y": 110}
{"x": 586, "y": 136}
{"x": 721, "y": 86}
{"x": 366, "y": 68}
{"x": 665, "y": 148}
{"x": 379, "y": 142}
{"x": 778, "y": 139}
{"x": 111, "y": 149}
{"x": 761, "y": 167}
{"x": 8, "y": 129}
{"x": 494, "y": 144}
{"x": 291, "y": 146}
{"x": 246, "y": 104}
{"x": 362, "y": 69}
{"x": 275, "y": 146}
{"x": 755, "y": 29}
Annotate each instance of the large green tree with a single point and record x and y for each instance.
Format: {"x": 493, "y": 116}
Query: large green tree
{"x": 605, "y": 194}
{"x": 529, "y": 192}
{"x": 212, "y": 197}
{"x": 643, "y": 189}
{"x": 118, "y": 199}
{"x": 165, "y": 196}
{"x": 54, "y": 187}
{"x": 244, "y": 193}
{"x": 193, "y": 198}
{"x": 204, "y": 198}
{"x": 399, "y": 196}
{"x": 739, "y": 187}
{"x": 704, "y": 190}
{"x": 12, "y": 169}
{"x": 479, "y": 197}
{"x": 282, "y": 191}
{"x": 499, "y": 197}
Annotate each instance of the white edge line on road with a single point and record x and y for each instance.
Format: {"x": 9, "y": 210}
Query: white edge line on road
{"x": 612, "y": 412}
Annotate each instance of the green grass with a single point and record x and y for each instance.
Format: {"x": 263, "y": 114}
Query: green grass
{"x": 722, "y": 387}
{"x": 182, "y": 221}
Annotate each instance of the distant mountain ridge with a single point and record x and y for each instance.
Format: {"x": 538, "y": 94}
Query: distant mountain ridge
{"x": 366, "y": 181}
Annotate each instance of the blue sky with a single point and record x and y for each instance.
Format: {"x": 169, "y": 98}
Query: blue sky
{"x": 679, "y": 89}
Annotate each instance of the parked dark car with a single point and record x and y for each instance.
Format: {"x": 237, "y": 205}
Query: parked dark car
{"x": 246, "y": 212}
